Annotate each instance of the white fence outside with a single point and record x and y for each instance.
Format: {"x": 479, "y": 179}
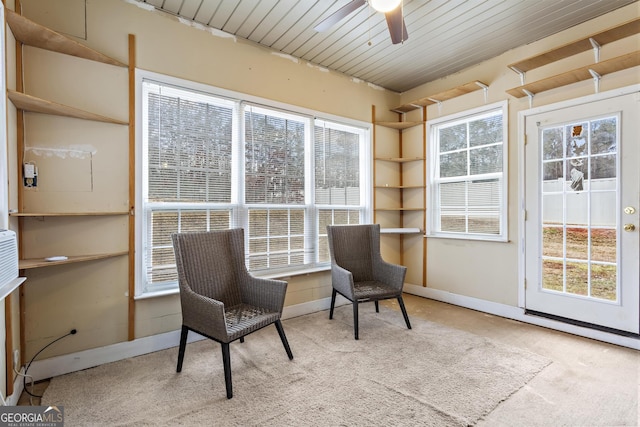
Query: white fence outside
{"x": 603, "y": 202}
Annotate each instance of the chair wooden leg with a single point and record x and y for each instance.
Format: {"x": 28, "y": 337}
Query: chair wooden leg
{"x": 377, "y": 306}
{"x": 226, "y": 360}
{"x": 183, "y": 346}
{"x": 333, "y": 303}
{"x": 404, "y": 312}
{"x": 355, "y": 319}
{"x": 241, "y": 339}
{"x": 283, "y": 337}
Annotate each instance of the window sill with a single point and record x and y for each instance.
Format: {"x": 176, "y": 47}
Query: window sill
{"x": 278, "y": 276}
{"x": 477, "y": 238}
{"x": 285, "y": 275}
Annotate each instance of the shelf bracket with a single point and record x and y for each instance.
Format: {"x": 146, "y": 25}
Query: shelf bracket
{"x": 520, "y": 72}
{"x": 485, "y": 90}
{"x": 596, "y": 49}
{"x": 437, "y": 102}
{"x": 530, "y": 95}
{"x": 596, "y": 79}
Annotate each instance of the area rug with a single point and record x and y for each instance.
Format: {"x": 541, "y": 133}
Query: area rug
{"x": 431, "y": 375}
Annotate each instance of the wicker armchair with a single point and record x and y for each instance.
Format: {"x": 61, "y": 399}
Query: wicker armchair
{"x": 220, "y": 299}
{"x": 358, "y": 271}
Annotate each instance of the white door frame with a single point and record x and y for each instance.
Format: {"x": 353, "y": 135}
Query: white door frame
{"x": 522, "y": 116}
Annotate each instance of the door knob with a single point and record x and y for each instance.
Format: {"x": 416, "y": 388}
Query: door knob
{"x": 629, "y": 227}
{"x": 629, "y": 210}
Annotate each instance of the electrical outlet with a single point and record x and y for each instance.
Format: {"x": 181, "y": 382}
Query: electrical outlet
{"x": 30, "y": 175}
{"x": 29, "y": 170}
{"x": 16, "y": 360}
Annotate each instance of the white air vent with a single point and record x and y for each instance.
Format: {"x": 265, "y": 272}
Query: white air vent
{"x": 8, "y": 257}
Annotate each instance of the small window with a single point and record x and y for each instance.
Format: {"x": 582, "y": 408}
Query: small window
{"x": 467, "y": 188}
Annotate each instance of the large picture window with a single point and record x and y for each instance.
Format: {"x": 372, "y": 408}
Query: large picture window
{"x": 466, "y": 189}
{"x": 212, "y": 161}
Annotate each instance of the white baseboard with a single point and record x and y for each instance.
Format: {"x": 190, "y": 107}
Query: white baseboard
{"x": 18, "y": 388}
{"x": 60, "y": 365}
{"x": 517, "y": 313}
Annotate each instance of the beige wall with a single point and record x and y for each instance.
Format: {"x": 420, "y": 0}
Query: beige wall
{"x": 489, "y": 270}
{"x": 92, "y": 297}
{"x": 83, "y": 164}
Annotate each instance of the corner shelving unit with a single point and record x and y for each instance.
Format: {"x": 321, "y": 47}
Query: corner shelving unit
{"x": 593, "y": 71}
{"x": 27, "y": 32}
{"x": 397, "y": 223}
{"x": 441, "y": 97}
{"x": 400, "y": 225}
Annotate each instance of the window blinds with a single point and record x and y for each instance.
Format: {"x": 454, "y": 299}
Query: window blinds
{"x": 469, "y": 175}
{"x": 214, "y": 163}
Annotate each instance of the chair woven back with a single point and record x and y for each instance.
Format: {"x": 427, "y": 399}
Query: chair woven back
{"x": 355, "y": 248}
{"x": 211, "y": 263}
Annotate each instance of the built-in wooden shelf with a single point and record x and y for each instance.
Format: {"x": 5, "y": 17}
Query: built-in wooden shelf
{"x": 579, "y": 74}
{"x": 395, "y": 224}
{"x": 626, "y": 29}
{"x": 37, "y": 105}
{"x": 33, "y": 34}
{"x": 399, "y": 209}
{"x": 401, "y": 230}
{"x": 400, "y": 159}
{"x": 440, "y": 97}
{"x": 401, "y": 187}
{"x": 25, "y": 264}
{"x": 54, "y": 214}
{"x": 399, "y": 125}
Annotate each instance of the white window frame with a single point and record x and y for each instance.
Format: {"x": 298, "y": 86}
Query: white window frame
{"x": 433, "y": 208}
{"x": 239, "y": 207}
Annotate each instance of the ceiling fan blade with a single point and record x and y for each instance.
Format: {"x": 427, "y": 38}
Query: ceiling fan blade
{"x": 339, "y": 14}
{"x": 397, "y": 28}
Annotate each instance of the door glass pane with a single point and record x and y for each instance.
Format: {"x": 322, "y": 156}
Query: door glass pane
{"x": 579, "y": 208}
{"x": 603, "y": 136}
{"x": 552, "y": 207}
{"x": 603, "y": 167}
{"x": 604, "y": 281}
{"x": 603, "y": 245}
{"x": 552, "y": 275}
{"x": 552, "y": 144}
{"x": 552, "y": 171}
{"x": 603, "y": 207}
{"x": 576, "y": 139}
{"x": 552, "y": 241}
{"x": 576, "y": 210}
{"x": 577, "y": 276}
{"x": 577, "y": 243}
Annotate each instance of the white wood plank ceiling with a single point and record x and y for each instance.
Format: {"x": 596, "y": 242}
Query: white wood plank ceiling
{"x": 445, "y": 36}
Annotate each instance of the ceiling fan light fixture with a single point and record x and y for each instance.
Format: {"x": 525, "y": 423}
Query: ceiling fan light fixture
{"x": 384, "y": 6}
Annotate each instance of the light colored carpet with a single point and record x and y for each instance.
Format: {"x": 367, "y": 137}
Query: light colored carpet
{"x": 431, "y": 375}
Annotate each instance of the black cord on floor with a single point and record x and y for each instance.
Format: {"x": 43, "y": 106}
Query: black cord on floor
{"x": 24, "y": 378}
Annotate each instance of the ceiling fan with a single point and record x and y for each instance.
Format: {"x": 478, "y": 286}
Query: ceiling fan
{"x": 392, "y": 10}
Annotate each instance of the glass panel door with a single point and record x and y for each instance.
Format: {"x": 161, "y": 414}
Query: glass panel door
{"x": 581, "y": 246}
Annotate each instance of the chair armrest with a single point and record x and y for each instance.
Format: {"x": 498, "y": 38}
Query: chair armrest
{"x": 265, "y": 293}
{"x": 342, "y": 280}
{"x": 390, "y": 274}
{"x": 202, "y": 313}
